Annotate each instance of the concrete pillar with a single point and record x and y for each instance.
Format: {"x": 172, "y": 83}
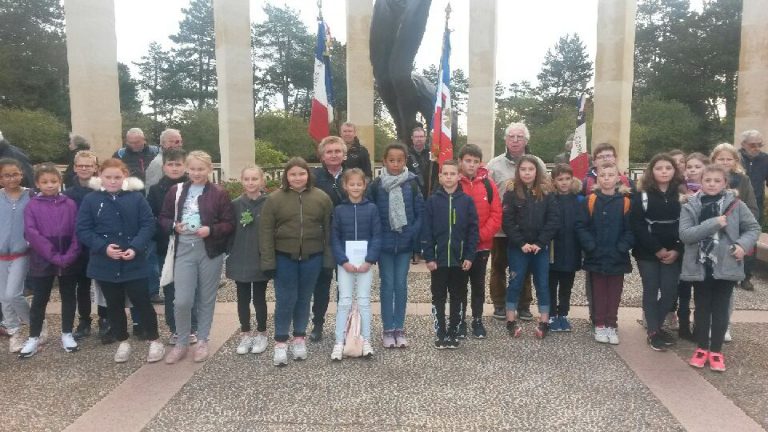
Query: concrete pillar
{"x": 360, "y": 71}
{"x": 481, "y": 103}
{"x": 614, "y": 73}
{"x": 94, "y": 97}
{"x": 752, "y": 96}
{"x": 235, "y": 85}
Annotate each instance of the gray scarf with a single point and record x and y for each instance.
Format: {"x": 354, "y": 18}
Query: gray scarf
{"x": 390, "y": 183}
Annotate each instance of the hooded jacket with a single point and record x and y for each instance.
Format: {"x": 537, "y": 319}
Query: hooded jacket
{"x": 488, "y": 207}
{"x": 12, "y": 241}
{"x": 358, "y": 157}
{"x": 244, "y": 260}
{"x": 566, "y": 251}
{"x": 529, "y": 220}
{"x": 356, "y": 221}
{"x": 741, "y": 229}
{"x": 605, "y": 235}
{"x": 449, "y": 233}
{"x": 124, "y": 219}
{"x": 49, "y": 227}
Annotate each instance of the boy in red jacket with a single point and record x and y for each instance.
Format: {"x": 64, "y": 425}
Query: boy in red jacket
{"x": 474, "y": 182}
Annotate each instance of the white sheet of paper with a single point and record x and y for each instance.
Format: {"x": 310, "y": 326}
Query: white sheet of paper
{"x": 356, "y": 251}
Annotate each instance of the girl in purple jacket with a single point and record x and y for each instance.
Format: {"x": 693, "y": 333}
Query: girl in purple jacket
{"x": 49, "y": 227}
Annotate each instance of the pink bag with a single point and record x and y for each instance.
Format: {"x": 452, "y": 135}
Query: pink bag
{"x": 353, "y": 341}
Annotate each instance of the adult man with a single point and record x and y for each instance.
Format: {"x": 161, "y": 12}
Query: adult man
{"x": 332, "y": 151}
{"x": 10, "y": 151}
{"x": 419, "y": 161}
{"x": 136, "y": 153}
{"x": 755, "y": 162}
{"x": 502, "y": 168}
{"x": 169, "y": 139}
{"x": 357, "y": 155}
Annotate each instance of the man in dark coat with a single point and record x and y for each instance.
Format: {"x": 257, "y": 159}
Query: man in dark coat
{"x": 357, "y": 154}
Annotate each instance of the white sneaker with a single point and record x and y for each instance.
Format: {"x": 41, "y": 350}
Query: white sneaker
{"x": 338, "y": 352}
{"x": 156, "y": 351}
{"x": 280, "y": 358}
{"x": 601, "y": 334}
{"x": 30, "y": 347}
{"x": 727, "y": 337}
{"x": 260, "y": 343}
{"x": 299, "y": 349}
{"x": 68, "y": 342}
{"x": 367, "y": 349}
{"x": 246, "y": 342}
{"x": 613, "y": 337}
{"x": 123, "y": 352}
{"x": 16, "y": 342}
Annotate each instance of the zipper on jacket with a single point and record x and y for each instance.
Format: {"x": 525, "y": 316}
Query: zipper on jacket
{"x": 355, "y": 206}
{"x": 450, "y": 226}
{"x": 301, "y": 226}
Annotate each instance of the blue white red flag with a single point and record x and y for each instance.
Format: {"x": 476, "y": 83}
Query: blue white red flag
{"x": 579, "y": 158}
{"x": 322, "y": 99}
{"x": 442, "y": 147}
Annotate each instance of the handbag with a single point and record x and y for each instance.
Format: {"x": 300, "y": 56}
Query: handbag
{"x": 166, "y": 277}
{"x": 353, "y": 341}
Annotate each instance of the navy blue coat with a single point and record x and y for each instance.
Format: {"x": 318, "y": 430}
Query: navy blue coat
{"x": 529, "y": 220}
{"x": 566, "y": 247}
{"x": 331, "y": 186}
{"x": 605, "y": 236}
{"x": 358, "y": 221}
{"x": 408, "y": 240}
{"x": 77, "y": 192}
{"x": 124, "y": 219}
{"x": 449, "y": 234}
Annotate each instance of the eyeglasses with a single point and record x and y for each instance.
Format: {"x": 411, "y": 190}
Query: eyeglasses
{"x": 12, "y": 176}
{"x": 758, "y": 144}
{"x": 606, "y": 156}
{"x": 83, "y": 166}
{"x": 516, "y": 137}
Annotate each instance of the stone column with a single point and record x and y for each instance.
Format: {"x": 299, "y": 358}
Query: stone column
{"x": 614, "y": 74}
{"x": 481, "y": 103}
{"x": 752, "y": 97}
{"x": 235, "y": 85}
{"x": 360, "y": 71}
{"x": 94, "y": 97}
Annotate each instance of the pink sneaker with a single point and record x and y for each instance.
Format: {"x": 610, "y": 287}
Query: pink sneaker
{"x": 699, "y": 358}
{"x": 400, "y": 340}
{"x": 716, "y": 362}
{"x": 178, "y": 352}
{"x": 388, "y": 339}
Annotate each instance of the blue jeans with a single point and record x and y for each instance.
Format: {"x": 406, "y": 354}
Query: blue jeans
{"x": 294, "y": 282}
{"x": 393, "y": 269}
{"x": 519, "y": 265}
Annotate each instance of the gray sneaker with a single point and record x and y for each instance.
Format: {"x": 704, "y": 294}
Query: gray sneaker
{"x": 280, "y": 357}
{"x": 400, "y": 340}
{"x": 299, "y": 349}
{"x": 388, "y": 339}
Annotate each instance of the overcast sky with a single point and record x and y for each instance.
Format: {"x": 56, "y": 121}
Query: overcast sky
{"x": 526, "y": 29}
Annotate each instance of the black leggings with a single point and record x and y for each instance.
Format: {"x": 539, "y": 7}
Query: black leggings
{"x": 476, "y": 278}
{"x": 137, "y": 292}
{"x": 711, "y": 298}
{"x": 42, "y": 287}
{"x": 560, "y": 302}
{"x": 244, "y": 291}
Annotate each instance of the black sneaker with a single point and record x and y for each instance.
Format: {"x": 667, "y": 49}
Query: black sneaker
{"x": 108, "y": 338}
{"x": 440, "y": 340}
{"x": 317, "y": 333}
{"x": 656, "y": 342}
{"x": 478, "y": 330}
{"x": 83, "y": 330}
{"x": 104, "y": 327}
{"x": 499, "y": 312}
{"x": 156, "y": 299}
{"x": 513, "y": 329}
{"x": 525, "y": 315}
{"x": 452, "y": 340}
{"x": 746, "y": 285}
{"x": 666, "y": 338}
{"x": 462, "y": 332}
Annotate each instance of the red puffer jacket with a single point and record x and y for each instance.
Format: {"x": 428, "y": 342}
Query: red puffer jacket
{"x": 488, "y": 213}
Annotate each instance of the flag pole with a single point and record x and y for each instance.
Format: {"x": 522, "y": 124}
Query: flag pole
{"x": 319, "y": 10}
{"x": 433, "y": 157}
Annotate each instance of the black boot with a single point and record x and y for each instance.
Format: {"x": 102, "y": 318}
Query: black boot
{"x": 83, "y": 329}
{"x": 317, "y": 333}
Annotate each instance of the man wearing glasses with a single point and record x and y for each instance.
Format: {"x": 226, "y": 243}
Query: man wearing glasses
{"x": 755, "y": 162}
{"x": 602, "y": 153}
{"x": 169, "y": 139}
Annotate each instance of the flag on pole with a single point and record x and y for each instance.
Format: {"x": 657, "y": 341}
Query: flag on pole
{"x": 322, "y": 99}
{"x": 579, "y": 158}
{"x": 442, "y": 147}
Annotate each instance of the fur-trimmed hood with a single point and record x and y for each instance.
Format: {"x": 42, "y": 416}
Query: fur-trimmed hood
{"x": 129, "y": 184}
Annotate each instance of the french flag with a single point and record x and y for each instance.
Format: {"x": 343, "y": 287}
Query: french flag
{"x": 442, "y": 147}
{"x": 322, "y": 99}
{"x": 579, "y": 159}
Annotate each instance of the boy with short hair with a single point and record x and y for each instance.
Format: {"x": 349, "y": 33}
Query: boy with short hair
{"x": 603, "y": 153}
{"x": 474, "y": 181}
{"x": 449, "y": 238}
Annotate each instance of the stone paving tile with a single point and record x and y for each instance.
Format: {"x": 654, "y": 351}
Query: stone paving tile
{"x": 745, "y": 382}
{"x": 564, "y": 382}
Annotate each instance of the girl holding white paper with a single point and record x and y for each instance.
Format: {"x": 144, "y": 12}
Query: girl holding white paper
{"x": 356, "y": 243}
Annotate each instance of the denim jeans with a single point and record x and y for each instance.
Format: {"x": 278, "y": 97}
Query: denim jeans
{"x": 349, "y": 282}
{"x": 15, "y": 306}
{"x": 294, "y": 282}
{"x": 393, "y": 269}
{"x": 659, "y": 290}
{"x": 521, "y": 263}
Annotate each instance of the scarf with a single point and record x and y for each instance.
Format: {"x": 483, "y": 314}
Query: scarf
{"x": 391, "y": 183}
{"x": 710, "y": 207}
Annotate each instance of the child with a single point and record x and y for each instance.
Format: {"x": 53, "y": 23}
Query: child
{"x": 566, "y": 254}
{"x": 356, "y": 219}
{"x": 694, "y": 168}
{"x": 717, "y": 229}
{"x": 397, "y": 196}
{"x": 85, "y": 165}
{"x": 13, "y": 251}
{"x": 174, "y": 172}
{"x": 294, "y": 244}
{"x": 530, "y": 220}
{"x": 654, "y": 219}
{"x": 49, "y": 227}
{"x": 476, "y": 183}
{"x": 243, "y": 261}
{"x": 202, "y": 225}
{"x": 678, "y": 156}
{"x": 449, "y": 237}
{"x": 115, "y": 223}
{"x": 601, "y": 154}
{"x": 606, "y": 237}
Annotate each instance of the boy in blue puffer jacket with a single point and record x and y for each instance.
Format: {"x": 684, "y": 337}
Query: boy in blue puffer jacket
{"x": 449, "y": 238}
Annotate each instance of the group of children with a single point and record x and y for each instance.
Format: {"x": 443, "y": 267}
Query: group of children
{"x": 684, "y": 225}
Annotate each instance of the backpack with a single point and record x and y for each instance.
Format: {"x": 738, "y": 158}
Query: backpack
{"x": 593, "y": 197}
{"x": 650, "y": 221}
{"x": 488, "y": 190}
{"x": 590, "y": 183}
